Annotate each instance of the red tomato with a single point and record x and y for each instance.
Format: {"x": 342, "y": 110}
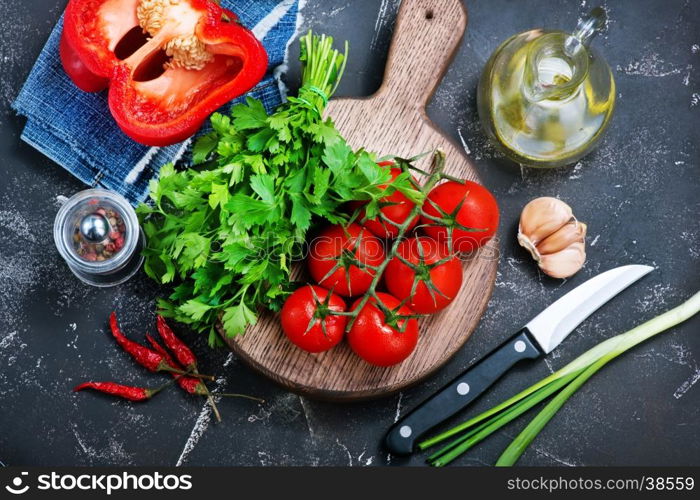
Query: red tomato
{"x": 301, "y": 307}
{"x": 334, "y": 247}
{"x": 398, "y": 209}
{"x": 478, "y": 210}
{"x": 446, "y": 277}
{"x": 378, "y": 343}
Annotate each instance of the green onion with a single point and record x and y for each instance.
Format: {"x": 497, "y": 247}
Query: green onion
{"x": 474, "y": 436}
{"x": 566, "y": 380}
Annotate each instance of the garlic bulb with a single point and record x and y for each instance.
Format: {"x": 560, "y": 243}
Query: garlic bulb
{"x": 551, "y": 233}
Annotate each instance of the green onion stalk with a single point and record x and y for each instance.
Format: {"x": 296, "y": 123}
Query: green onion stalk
{"x": 564, "y": 383}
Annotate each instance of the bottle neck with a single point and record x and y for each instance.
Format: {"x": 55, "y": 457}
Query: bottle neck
{"x": 557, "y": 63}
{"x": 550, "y": 72}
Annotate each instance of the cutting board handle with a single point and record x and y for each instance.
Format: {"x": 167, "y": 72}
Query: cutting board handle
{"x": 426, "y": 36}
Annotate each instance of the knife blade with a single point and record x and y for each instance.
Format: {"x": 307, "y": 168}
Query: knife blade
{"x": 536, "y": 339}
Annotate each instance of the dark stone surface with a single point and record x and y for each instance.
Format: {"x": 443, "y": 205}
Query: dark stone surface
{"x": 638, "y": 192}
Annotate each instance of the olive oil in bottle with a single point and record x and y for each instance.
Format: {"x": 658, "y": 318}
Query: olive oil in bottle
{"x": 545, "y": 97}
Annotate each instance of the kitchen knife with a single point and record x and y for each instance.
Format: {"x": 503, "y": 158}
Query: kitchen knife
{"x": 538, "y": 338}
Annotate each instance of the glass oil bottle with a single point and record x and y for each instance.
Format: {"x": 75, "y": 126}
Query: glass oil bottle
{"x": 546, "y": 97}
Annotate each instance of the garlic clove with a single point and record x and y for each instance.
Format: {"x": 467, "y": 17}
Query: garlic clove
{"x": 564, "y": 263}
{"x": 573, "y": 232}
{"x": 529, "y": 246}
{"x": 542, "y": 217}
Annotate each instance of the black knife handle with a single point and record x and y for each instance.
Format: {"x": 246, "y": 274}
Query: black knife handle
{"x": 460, "y": 392}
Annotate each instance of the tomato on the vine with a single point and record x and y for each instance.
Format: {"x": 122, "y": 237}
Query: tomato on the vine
{"x": 336, "y": 251}
{"x": 396, "y": 207}
{"x": 377, "y": 342}
{"x": 439, "y": 275}
{"x": 308, "y": 320}
{"x": 468, "y": 211}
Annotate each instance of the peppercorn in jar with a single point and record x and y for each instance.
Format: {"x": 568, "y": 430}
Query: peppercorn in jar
{"x": 97, "y": 233}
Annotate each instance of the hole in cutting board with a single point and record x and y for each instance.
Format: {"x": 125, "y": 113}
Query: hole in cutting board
{"x": 429, "y": 14}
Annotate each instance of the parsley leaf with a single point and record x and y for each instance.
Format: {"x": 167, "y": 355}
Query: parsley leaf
{"x": 264, "y": 186}
{"x": 237, "y": 318}
{"x": 252, "y": 115}
{"x": 194, "y": 309}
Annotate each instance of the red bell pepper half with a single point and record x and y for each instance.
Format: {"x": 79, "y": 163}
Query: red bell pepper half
{"x": 168, "y": 64}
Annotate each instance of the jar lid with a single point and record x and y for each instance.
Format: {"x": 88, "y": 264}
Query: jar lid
{"x": 96, "y": 231}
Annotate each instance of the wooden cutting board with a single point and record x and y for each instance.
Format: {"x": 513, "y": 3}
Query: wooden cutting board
{"x": 393, "y": 121}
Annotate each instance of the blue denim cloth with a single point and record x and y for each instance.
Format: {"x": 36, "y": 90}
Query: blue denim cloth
{"x": 75, "y": 128}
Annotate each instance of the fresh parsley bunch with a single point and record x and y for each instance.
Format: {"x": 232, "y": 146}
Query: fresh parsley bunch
{"x": 225, "y": 231}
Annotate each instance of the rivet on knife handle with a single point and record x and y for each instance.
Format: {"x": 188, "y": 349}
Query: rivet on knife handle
{"x": 402, "y": 437}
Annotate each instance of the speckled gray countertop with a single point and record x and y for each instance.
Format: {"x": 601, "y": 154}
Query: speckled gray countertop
{"x": 639, "y": 193}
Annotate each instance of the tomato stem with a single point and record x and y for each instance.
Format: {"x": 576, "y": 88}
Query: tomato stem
{"x": 392, "y": 318}
{"x": 422, "y": 270}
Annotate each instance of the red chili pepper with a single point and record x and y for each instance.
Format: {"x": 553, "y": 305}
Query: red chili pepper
{"x": 168, "y": 65}
{"x": 182, "y": 352}
{"x": 148, "y": 358}
{"x": 144, "y": 356}
{"x": 188, "y": 384}
{"x": 122, "y": 391}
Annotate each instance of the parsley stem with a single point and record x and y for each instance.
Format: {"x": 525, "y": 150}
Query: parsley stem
{"x": 322, "y": 69}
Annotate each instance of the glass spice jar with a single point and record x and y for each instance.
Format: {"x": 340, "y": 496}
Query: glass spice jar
{"x": 98, "y": 235}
